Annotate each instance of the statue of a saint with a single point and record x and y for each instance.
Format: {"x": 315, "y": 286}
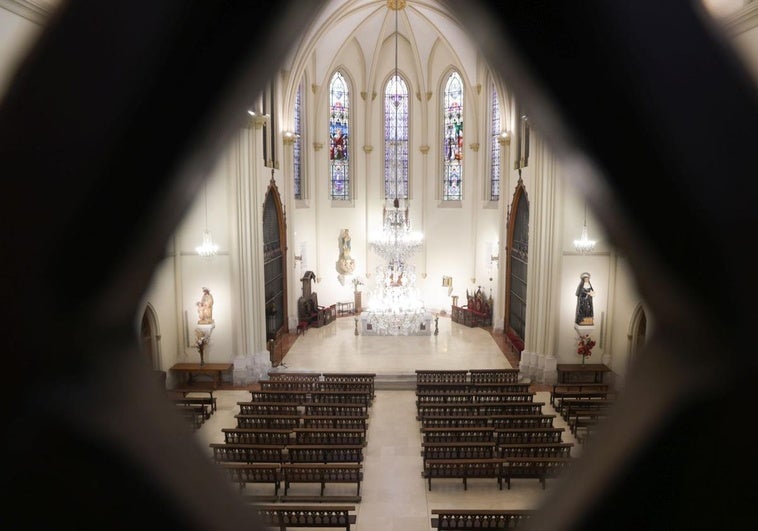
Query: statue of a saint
{"x": 584, "y": 305}
{"x": 205, "y": 308}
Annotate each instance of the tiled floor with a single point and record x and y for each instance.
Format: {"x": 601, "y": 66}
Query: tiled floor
{"x": 394, "y": 495}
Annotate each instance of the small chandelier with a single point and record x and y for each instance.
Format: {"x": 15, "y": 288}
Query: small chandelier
{"x": 207, "y": 248}
{"x": 584, "y": 245}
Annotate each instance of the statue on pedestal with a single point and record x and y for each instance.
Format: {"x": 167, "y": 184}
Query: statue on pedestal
{"x": 205, "y": 308}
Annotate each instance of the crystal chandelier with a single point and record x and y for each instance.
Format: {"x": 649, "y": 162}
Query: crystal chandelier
{"x": 396, "y": 308}
{"x": 584, "y": 245}
{"x": 207, "y": 248}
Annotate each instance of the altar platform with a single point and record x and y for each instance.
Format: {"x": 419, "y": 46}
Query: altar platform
{"x": 336, "y": 348}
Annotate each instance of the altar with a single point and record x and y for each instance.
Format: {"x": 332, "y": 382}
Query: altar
{"x": 396, "y": 323}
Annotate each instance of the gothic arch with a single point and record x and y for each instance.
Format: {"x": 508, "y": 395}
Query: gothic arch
{"x": 517, "y": 259}
{"x": 274, "y": 262}
{"x": 150, "y": 337}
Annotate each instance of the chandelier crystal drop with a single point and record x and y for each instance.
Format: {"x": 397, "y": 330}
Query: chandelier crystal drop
{"x": 584, "y": 245}
{"x": 207, "y": 248}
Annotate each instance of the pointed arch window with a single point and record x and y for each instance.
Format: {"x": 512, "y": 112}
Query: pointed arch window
{"x": 495, "y": 145}
{"x": 339, "y": 137}
{"x": 297, "y": 167}
{"x": 452, "y": 101}
{"x": 396, "y": 138}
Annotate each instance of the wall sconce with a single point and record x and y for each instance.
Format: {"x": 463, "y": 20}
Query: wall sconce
{"x": 259, "y": 120}
{"x": 447, "y": 282}
{"x": 289, "y": 137}
{"x": 504, "y": 138}
{"x": 494, "y": 254}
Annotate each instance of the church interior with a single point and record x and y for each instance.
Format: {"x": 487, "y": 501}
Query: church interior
{"x": 393, "y": 188}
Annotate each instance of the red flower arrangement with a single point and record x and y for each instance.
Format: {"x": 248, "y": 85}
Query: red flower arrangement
{"x": 585, "y": 346}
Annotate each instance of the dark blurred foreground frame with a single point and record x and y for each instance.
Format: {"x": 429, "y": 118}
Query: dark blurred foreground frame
{"x": 114, "y": 119}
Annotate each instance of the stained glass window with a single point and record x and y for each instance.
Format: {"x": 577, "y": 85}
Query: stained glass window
{"x": 452, "y": 101}
{"x": 396, "y": 138}
{"x": 495, "y": 148}
{"x": 297, "y": 144}
{"x": 339, "y": 137}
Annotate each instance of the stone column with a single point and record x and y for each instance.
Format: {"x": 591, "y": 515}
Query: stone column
{"x": 245, "y": 162}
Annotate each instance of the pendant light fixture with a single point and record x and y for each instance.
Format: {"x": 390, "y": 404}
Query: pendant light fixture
{"x": 584, "y": 245}
{"x": 207, "y": 248}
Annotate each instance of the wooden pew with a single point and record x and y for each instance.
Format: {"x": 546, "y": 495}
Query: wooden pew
{"x": 247, "y": 453}
{"x": 276, "y": 395}
{"x": 528, "y": 435}
{"x": 438, "y": 388}
{"x": 458, "y": 434}
{"x": 324, "y": 453}
{"x": 286, "y": 385}
{"x": 322, "y": 396}
{"x": 322, "y": 473}
{"x": 477, "y": 376}
{"x": 202, "y": 390}
{"x": 462, "y": 398}
{"x": 445, "y": 519}
{"x": 300, "y": 377}
{"x": 450, "y": 421}
{"x": 336, "y": 436}
{"x": 257, "y": 436}
{"x": 205, "y": 402}
{"x": 522, "y": 421}
{"x": 559, "y": 449}
{"x": 499, "y": 387}
{"x": 503, "y": 397}
{"x": 336, "y": 410}
{"x": 330, "y": 421}
{"x": 540, "y": 468}
{"x": 289, "y": 516}
{"x": 570, "y": 404}
{"x": 246, "y": 473}
{"x": 458, "y": 450}
{"x": 463, "y": 469}
{"x": 282, "y": 422}
{"x": 350, "y": 377}
{"x": 578, "y": 390}
{"x": 441, "y": 375}
{"x": 269, "y": 408}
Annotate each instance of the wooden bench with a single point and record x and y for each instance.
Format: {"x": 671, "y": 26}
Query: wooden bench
{"x": 286, "y": 385}
{"x": 522, "y": 421}
{"x": 428, "y": 398}
{"x": 511, "y": 408}
{"x": 458, "y": 434}
{"x": 499, "y": 387}
{"x": 577, "y": 390}
{"x": 540, "y": 468}
{"x": 528, "y": 435}
{"x": 307, "y": 377}
{"x": 568, "y": 405}
{"x": 269, "y": 408}
{"x": 366, "y": 387}
{"x": 558, "y": 449}
{"x": 463, "y": 469}
{"x": 441, "y": 375}
{"x": 324, "y": 453}
{"x": 458, "y": 450}
{"x": 336, "y": 410}
{"x": 477, "y": 376}
{"x": 336, "y": 436}
{"x": 322, "y": 473}
{"x": 282, "y": 422}
{"x": 437, "y": 388}
{"x": 194, "y": 416}
{"x": 278, "y": 395}
{"x": 503, "y": 397}
{"x": 283, "y": 517}
{"x": 183, "y": 392}
{"x": 322, "y": 396}
{"x": 257, "y": 436}
{"x": 247, "y": 453}
{"x": 328, "y": 421}
{"x": 350, "y": 377}
{"x": 246, "y": 473}
{"x": 444, "y": 519}
{"x": 450, "y": 421}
